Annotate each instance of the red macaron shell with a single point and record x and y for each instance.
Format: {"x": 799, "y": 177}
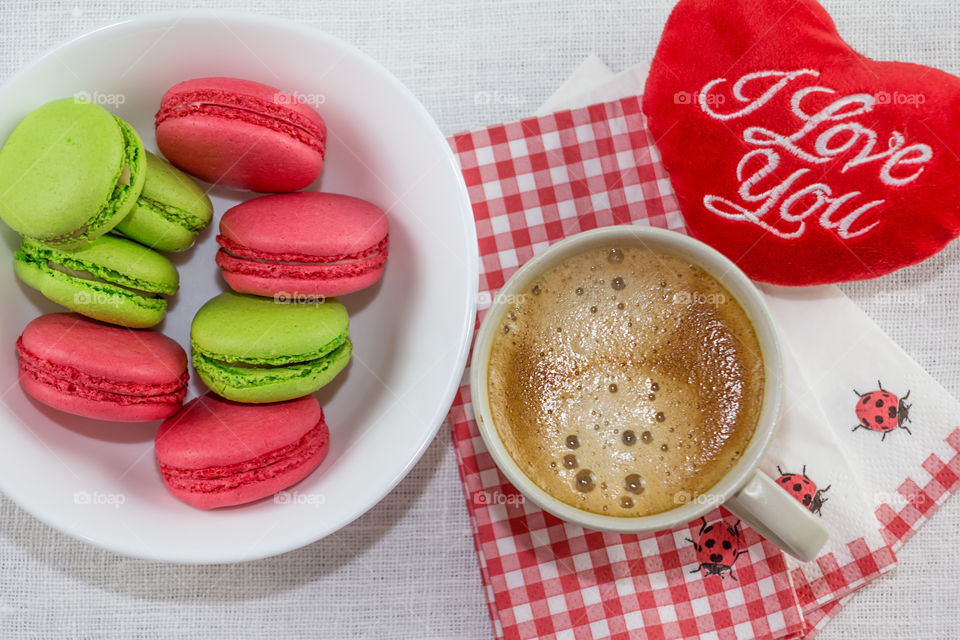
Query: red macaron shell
{"x": 303, "y": 244}
{"x": 323, "y": 225}
{"x": 241, "y": 134}
{"x": 291, "y": 284}
{"x": 101, "y": 371}
{"x": 218, "y": 453}
{"x": 251, "y": 93}
{"x": 63, "y": 395}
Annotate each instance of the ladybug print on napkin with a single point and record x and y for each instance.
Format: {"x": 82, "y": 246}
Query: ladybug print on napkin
{"x": 882, "y": 411}
{"x": 718, "y": 547}
{"x": 801, "y": 487}
{"x": 798, "y": 158}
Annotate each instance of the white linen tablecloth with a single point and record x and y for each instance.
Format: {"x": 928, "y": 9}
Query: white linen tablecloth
{"x": 407, "y": 569}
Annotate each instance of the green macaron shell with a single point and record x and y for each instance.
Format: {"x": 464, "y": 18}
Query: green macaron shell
{"x": 253, "y": 349}
{"x": 171, "y": 210}
{"x": 271, "y": 384}
{"x": 111, "y": 279}
{"x": 69, "y": 172}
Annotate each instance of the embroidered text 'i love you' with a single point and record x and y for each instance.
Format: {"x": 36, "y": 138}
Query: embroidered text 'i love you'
{"x": 785, "y": 204}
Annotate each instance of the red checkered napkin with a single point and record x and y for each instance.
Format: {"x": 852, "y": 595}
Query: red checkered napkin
{"x": 532, "y": 183}
{"x": 536, "y": 181}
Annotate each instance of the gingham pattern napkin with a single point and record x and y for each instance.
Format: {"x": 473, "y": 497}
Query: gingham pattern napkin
{"x": 534, "y": 182}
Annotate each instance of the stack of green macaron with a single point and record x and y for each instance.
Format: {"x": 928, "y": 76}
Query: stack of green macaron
{"x": 93, "y": 206}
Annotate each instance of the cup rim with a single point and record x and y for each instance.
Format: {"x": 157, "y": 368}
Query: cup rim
{"x": 737, "y": 284}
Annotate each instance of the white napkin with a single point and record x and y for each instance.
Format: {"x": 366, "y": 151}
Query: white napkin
{"x": 806, "y": 444}
{"x": 911, "y": 471}
{"x": 592, "y": 83}
{"x": 578, "y": 90}
{"x": 833, "y": 348}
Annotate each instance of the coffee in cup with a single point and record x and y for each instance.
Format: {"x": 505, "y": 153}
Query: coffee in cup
{"x": 625, "y": 381}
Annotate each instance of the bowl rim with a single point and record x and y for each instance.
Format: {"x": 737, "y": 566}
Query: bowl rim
{"x": 732, "y": 278}
{"x": 264, "y": 549}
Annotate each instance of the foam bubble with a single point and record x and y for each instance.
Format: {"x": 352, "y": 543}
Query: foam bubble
{"x": 585, "y": 480}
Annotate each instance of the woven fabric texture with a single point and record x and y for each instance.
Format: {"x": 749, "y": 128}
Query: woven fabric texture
{"x": 408, "y": 568}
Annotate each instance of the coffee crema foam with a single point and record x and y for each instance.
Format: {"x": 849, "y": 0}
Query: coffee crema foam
{"x": 625, "y": 382}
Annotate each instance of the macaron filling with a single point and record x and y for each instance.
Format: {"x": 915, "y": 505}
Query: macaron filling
{"x": 97, "y": 278}
{"x": 248, "y": 109}
{"x": 264, "y": 467}
{"x": 235, "y": 258}
{"x": 240, "y": 372}
{"x": 86, "y": 275}
{"x": 67, "y": 379}
{"x": 175, "y": 215}
{"x": 126, "y": 177}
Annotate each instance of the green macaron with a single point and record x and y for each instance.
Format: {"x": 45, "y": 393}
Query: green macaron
{"x": 171, "y": 210}
{"x": 257, "y": 350}
{"x": 69, "y": 172}
{"x": 110, "y": 279}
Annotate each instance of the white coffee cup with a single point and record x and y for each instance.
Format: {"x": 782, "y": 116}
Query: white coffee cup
{"x": 746, "y": 492}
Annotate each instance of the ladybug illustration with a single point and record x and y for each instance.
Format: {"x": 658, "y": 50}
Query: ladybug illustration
{"x": 803, "y": 489}
{"x": 882, "y": 411}
{"x": 718, "y": 547}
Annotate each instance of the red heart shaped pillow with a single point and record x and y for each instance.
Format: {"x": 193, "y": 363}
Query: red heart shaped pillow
{"x": 800, "y": 159}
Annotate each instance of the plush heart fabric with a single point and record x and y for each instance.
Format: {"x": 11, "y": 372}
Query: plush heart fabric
{"x": 800, "y": 159}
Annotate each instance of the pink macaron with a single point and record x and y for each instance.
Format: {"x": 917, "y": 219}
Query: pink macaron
{"x": 218, "y": 453}
{"x": 96, "y": 370}
{"x": 303, "y": 245}
{"x": 241, "y": 134}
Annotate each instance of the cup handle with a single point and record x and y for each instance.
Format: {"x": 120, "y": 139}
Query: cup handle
{"x": 778, "y": 517}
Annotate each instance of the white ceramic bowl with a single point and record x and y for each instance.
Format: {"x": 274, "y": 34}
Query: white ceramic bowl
{"x": 99, "y": 481}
